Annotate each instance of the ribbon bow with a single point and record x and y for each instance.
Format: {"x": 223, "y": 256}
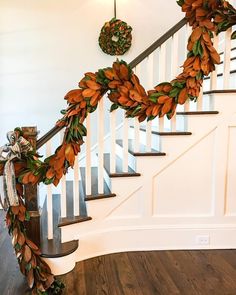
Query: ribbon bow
{"x": 17, "y": 145}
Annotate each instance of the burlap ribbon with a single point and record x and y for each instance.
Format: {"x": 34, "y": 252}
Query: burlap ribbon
{"x": 17, "y": 145}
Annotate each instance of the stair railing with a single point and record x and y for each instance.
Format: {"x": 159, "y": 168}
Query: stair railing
{"x": 152, "y": 66}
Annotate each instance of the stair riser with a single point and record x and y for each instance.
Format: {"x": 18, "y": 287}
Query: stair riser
{"x": 224, "y": 103}
{"x": 131, "y": 158}
{"x": 62, "y": 265}
{"x": 123, "y": 186}
{"x": 155, "y": 143}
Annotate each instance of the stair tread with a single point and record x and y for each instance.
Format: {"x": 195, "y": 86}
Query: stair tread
{"x": 94, "y": 185}
{"x": 72, "y": 220}
{"x": 220, "y": 91}
{"x": 142, "y": 149}
{"x": 231, "y": 59}
{"x": 232, "y": 49}
{"x": 165, "y": 133}
{"x": 220, "y": 74}
{"x": 198, "y": 113}
{"x": 54, "y": 248}
{"x": 119, "y": 172}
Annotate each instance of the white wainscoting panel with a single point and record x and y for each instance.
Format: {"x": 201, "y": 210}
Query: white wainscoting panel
{"x": 230, "y": 190}
{"x": 185, "y": 187}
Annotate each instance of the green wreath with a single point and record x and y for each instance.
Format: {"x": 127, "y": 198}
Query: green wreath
{"x": 115, "y": 37}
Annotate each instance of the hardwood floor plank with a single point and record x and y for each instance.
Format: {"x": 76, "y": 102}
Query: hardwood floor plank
{"x": 210, "y": 272}
{"x": 124, "y": 278}
{"x": 151, "y": 274}
{"x": 174, "y": 268}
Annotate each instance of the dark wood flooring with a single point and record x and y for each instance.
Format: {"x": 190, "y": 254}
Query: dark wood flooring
{"x": 211, "y": 272}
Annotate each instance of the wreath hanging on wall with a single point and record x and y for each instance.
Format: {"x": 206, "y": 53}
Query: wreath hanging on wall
{"x": 115, "y": 37}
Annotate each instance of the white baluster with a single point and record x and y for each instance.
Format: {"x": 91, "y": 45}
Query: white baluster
{"x": 227, "y": 56}
{"x": 162, "y": 63}
{"x": 63, "y": 196}
{"x": 200, "y": 100}
{"x": 149, "y": 136}
{"x": 187, "y": 106}
{"x": 113, "y": 142}
{"x": 125, "y": 144}
{"x": 161, "y": 124}
{"x": 136, "y": 122}
{"x": 174, "y": 52}
{"x": 213, "y": 83}
{"x": 162, "y": 77}
{"x": 49, "y": 197}
{"x": 174, "y": 69}
{"x": 188, "y": 31}
{"x": 63, "y": 189}
{"x": 100, "y": 146}
{"x": 136, "y": 135}
{"x": 150, "y": 64}
{"x": 88, "y": 156}
{"x": 76, "y": 204}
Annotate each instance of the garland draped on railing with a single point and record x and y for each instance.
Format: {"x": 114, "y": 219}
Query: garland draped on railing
{"x": 126, "y": 92}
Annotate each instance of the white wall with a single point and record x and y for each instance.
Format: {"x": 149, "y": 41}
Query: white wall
{"x": 47, "y": 45}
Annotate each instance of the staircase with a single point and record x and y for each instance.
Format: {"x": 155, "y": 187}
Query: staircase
{"x": 156, "y": 185}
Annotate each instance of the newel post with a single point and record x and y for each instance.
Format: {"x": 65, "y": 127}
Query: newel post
{"x": 31, "y": 195}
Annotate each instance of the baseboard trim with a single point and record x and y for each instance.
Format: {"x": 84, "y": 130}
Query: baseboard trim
{"x": 94, "y": 243}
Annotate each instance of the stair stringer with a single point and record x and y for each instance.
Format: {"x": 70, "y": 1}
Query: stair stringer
{"x": 117, "y": 230}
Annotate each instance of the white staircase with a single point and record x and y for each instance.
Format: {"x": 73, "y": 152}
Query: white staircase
{"x": 160, "y": 184}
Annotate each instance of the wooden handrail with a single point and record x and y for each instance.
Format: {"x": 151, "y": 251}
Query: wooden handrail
{"x": 157, "y": 43}
{"x": 46, "y": 137}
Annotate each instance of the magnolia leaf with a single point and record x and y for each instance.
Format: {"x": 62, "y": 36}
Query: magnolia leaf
{"x": 31, "y": 244}
{"x": 15, "y": 209}
{"x": 233, "y": 36}
{"x": 17, "y": 247}
{"x": 14, "y": 236}
{"x": 21, "y": 239}
{"x": 40, "y": 288}
{"x": 28, "y": 266}
{"x": 49, "y": 282}
{"x": 114, "y": 106}
{"x": 30, "y": 278}
{"x": 33, "y": 261}
{"x": 27, "y": 253}
{"x": 27, "y": 216}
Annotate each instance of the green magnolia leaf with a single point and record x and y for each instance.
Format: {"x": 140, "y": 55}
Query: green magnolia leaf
{"x": 174, "y": 92}
{"x": 48, "y": 181}
{"x": 63, "y": 112}
{"x": 180, "y": 2}
{"x": 17, "y": 247}
{"x": 28, "y": 266}
{"x": 199, "y": 75}
{"x": 114, "y": 106}
{"x": 150, "y": 118}
{"x": 196, "y": 48}
{"x": 190, "y": 53}
{"x": 136, "y": 110}
{"x": 27, "y": 216}
{"x": 179, "y": 85}
{"x": 153, "y": 97}
{"x": 233, "y": 36}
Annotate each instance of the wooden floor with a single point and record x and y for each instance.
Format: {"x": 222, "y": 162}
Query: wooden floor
{"x": 210, "y": 272}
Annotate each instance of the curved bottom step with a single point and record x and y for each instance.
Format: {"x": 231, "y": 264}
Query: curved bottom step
{"x": 61, "y": 257}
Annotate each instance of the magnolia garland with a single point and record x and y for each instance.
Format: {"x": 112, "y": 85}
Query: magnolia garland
{"x": 126, "y": 92}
